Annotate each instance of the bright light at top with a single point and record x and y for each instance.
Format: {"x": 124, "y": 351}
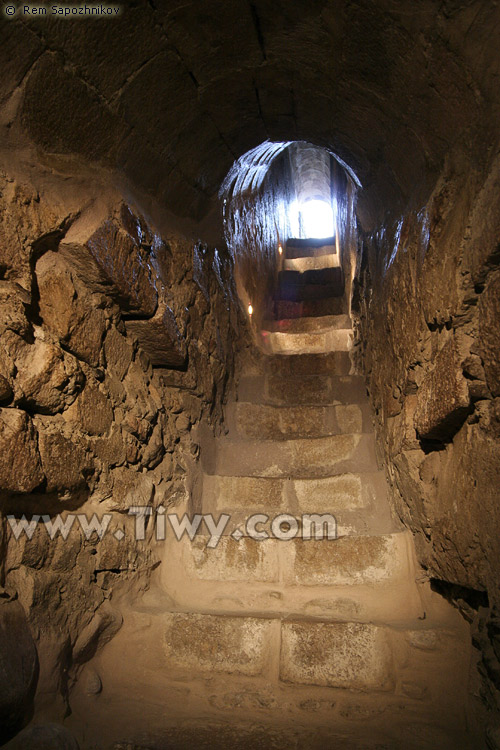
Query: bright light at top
{"x": 317, "y": 219}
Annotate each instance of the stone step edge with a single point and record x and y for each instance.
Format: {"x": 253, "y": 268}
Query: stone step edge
{"x": 275, "y": 326}
{"x": 401, "y": 625}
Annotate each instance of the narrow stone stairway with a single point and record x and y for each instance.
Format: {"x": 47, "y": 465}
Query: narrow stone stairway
{"x": 298, "y": 643}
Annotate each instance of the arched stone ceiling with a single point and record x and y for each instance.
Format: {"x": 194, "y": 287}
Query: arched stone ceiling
{"x": 171, "y": 93}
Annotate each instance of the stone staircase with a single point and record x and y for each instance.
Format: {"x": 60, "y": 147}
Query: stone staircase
{"x": 298, "y": 643}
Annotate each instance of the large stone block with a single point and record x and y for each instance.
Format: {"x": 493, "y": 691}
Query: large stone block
{"x": 243, "y": 492}
{"x": 212, "y": 643}
{"x": 247, "y": 560}
{"x": 92, "y": 411}
{"x": 48, "y": 379}
{"x": 65, "y": 463}
{"x": 341, "y": 655}
{"x": 350, "y": 560}
{"x": 20, "y": 465}
{"x": 331, "y": 494}
{"x": 68, "y": 309}
{"x": 443, "y": 398}
{"x": 160, "y": 338}
{"x": 18, "y": 666}
{"x": 111, "y": 258}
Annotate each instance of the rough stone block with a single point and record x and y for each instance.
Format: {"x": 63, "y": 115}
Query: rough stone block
{"x": 66, "y": 464}
{"x": 343, "y": 492}
{"x": 160, "y": 338}
{"x": 211, "y": 643}
{"x": 20, "y": 465}
{"x": 247, "y": 560}
{"x": 111, "y": 260}
{"x": 244, "y": 492}
{"x": 68, "y": 309}
{"x": 92, "y": 411}
{"x": 349, "y": 560}
{"x": 48, "y": 378}
{"x": 341, "y": 655}
{"x": 443, "y": 398}
{"x": 118, "y": 352}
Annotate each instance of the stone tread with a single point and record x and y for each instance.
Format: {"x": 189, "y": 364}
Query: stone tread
{"x": 316, "y": 342}
{"x": 308, "y": 325}
{"x": 268, "y": 422}
{"x": 301, "y": 458}
{"x": 308, "y": 390}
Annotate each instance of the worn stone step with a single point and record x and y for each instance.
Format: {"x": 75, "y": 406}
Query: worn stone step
{"x": 354, "y": 577}
{"x": 299, "y": 365}
{"x": 311, "y": 262}
{"x": 237, "y": 682}
{"x": 312, "y": 390}
{"x": 304, "y": 292}
{"x": 301, "y": 458}
{"x": 353, "y": 504}
{"x": 308, "y": 325}
{"x": 298, "y": 248}
{"x": 250, "y": 420}
{"x": 342, "y": 494}
{"x": 308, "y": 343}
{"x": 309, "y": 308}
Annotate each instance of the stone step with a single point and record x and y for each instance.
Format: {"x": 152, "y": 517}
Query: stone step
{"x": 356, "y": 504}
{"x": 312, "y": 458}
{"x": 308, "y": 343}
{"x": 307, "y": 390}
{"x": 308, "y": 325}
{"x": 229, "y": 682}
{"x": 309, "y": 308}
{"x": 344, "y": 493}
{"x": 305, "y": 292}
{"x": 310, "y": 285}
{"x": 300, "y": 365}
{"x": 311, "y": 262}
{"x": 353, "y": 577}
{"x": 261, "y": 421}
{"x": 297, "y": 248}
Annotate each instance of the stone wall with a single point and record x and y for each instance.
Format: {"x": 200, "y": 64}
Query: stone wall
{"x": 256, "y": 221}
{"x": 114, "y": 343}
{"x": 427, "y": 300}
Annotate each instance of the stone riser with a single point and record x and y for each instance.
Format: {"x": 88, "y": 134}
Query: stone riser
{"x": 301, "y": 365}
{"x": 308, "y": 325}
{"x": 312, "y": 458}
{"x": 259, "y": 421}
{"x": 309, "y": 390}
{"x": 358, "y": 502}
{"x": 307, "y": 343}
{"x": 310, "y": 263}
{"x": 309, "y": 308}
{"x": 312, "y": 251}
{"x": 357, "y": 578}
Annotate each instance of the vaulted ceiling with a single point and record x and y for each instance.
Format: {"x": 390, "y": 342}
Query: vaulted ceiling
{"x": 171, "y": 93}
